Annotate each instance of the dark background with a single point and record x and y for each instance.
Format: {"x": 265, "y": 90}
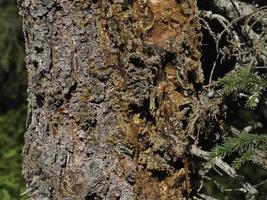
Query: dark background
{"x": 13, "y": 87}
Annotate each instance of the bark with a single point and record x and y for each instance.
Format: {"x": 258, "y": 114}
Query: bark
{"x": 112, "y": 98}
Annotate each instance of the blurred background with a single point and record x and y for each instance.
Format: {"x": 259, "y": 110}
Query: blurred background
{"x": 13, "y": 86}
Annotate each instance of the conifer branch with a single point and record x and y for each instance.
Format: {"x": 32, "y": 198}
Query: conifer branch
{"x": 244, "y": 145}
{"x": 247, "y": 82}
{"x": 226, "y": 168}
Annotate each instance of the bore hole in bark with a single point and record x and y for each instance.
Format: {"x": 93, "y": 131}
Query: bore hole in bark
{"x": 143, "y": 110}
{"x": 91, "y": 197}
{"x": 35, "y": 64}
{"x": 39, "y": 50}
{"x": 177, "y": 164}
{"x": 168, "y": 58}
{"x": 185, "y": 124}
{"x": 137, "y": 62}
{"x": 71, "y": 89}
{"x": 179, "y": 89}
{"x": 160, "y": 175}
{"x": 94, "y": 1}
{"x": 40, "y": 100}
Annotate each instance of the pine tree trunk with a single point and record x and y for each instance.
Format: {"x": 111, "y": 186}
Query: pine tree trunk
{"x": 111, "y": 87}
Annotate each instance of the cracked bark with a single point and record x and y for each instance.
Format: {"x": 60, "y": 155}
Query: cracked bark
{"x": 112, "y": 97}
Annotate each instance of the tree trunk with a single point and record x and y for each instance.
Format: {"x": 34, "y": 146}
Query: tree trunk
{"x": 112, "y": 98}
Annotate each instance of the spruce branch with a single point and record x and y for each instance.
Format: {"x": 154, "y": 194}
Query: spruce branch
{"x": 244, "y": 145}
{"x": 245, "y": 156}
{"x": 246, "y": 82}
{"x": 217, "y": 161}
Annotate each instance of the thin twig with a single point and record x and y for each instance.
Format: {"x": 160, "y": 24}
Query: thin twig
{"x": 226, "y": 168}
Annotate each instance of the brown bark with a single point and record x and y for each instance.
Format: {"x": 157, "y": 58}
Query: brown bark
{"x": 113, "y": 88}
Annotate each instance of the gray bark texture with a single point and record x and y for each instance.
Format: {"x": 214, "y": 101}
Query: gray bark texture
{"x": 112, "y": 98}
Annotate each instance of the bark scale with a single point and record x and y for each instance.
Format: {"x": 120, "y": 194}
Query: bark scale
{"x": 113, "y": 97}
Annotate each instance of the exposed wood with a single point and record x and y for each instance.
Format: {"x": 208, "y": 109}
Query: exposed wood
{"x": 113, "y": 98}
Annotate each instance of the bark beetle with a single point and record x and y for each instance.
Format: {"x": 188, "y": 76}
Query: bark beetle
{"x": 112, "y": 86}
